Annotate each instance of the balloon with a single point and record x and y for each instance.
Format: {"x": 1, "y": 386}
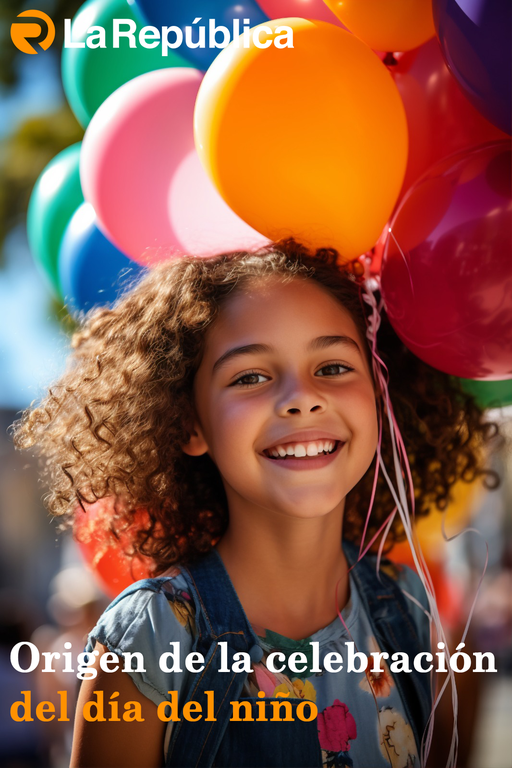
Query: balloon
{"x": 387, "y": 25}
{"x": 476, "y": 41}
{"x": 152, "y": 198}
{"x": 202, "y": 222}
{"x": 105, "y": 554}
{"x": 92, "y": 271}
{"x": 440, "y": 118}
{"x": 90, "y": 75}
{"x": 489, "y": 394}
{"x": 290, "y": 138}
{"x": 446, "y": 277}
{"x": 182, "y": 14}
{"x": 307, "y": 9}
{"x": 56, "y": 196}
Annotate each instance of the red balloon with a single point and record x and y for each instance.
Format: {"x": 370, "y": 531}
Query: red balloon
{"x": 106, "y": 554}
{"x": 441, "y": 120}
{"x": 446, "y": 275}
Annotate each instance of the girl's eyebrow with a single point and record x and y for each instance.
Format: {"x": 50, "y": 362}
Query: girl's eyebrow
{"x": 322, "y": 342}
{"x": 246, "y": 349}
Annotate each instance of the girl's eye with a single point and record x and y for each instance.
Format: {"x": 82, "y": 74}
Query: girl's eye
{"x": 249, "y": 379}
{"x": 333, "y": 369}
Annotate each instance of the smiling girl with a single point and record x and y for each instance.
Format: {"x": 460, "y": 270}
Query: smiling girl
{"x": 234, "y": 400}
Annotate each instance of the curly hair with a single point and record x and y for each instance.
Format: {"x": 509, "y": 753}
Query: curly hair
{"x": 114, "y": 425}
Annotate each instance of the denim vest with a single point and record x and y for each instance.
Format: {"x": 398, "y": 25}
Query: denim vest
{"x": 220, "y": 617}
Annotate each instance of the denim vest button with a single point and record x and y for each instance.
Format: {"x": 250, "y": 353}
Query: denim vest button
{"x": 256, "y": 654}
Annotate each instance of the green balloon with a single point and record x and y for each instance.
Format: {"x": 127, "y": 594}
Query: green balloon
{"x": 90, "y": 75}
{"x": 55, "y": 197}
{"x": 489, "y": 394}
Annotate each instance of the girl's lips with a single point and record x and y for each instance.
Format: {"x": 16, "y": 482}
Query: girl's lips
{"x": 306, "y": 462}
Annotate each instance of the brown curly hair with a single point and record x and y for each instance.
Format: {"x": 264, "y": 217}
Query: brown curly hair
{"x": 114, "y": 424}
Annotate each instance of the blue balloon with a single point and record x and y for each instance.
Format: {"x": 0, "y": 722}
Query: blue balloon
{"x": 476, "y": 41}
{"x": 92, "y": 271}
{"x": 177, "y": 13}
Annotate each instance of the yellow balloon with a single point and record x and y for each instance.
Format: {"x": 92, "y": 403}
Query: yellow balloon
{"x": 387, "y": 25}
{"x": 309, "y": 141}
{"x": 464, "y": 498}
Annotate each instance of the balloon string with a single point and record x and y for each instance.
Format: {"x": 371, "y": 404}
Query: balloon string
{"x": 399, "y": 492}
{"x": 402, "y": 254}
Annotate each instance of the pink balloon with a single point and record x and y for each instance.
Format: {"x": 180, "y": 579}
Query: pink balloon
{"x": 219, "y": 227}
{"x": 306, "y": 9}
{"x": 446, "y": 276}
{"x": 133, "y": 168}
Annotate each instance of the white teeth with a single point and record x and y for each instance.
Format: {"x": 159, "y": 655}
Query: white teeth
{"x": 300, "y": 450}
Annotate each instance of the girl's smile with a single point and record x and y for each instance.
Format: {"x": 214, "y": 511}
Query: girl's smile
{"x": 284, "y": 384}
{"x": 303, "y": 451}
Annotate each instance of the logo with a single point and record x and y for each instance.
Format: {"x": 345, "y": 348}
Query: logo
{"x": 21, "y": 32}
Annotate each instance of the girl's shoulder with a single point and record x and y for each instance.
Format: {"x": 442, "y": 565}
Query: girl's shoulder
{"x": 146, "y": 618}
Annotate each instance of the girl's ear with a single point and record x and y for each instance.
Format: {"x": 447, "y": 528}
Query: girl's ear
{"x": 197, "y": 445}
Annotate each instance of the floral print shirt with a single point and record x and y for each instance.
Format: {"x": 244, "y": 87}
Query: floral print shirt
{"x": 361, "y": 719}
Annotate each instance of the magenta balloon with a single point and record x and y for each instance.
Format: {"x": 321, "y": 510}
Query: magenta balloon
{"x": 306, "y": 9}
{"x": 447, "y": 268}
{"x": 134, "y": 155}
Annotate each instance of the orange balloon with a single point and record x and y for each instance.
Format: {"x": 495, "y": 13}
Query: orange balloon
{"x": 309, "y": 141}
{"x": 387, "y": 25}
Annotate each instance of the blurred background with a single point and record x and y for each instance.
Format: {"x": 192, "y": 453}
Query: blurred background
{"x": 47, "y": 594}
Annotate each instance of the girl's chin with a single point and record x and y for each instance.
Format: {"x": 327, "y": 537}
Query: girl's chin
{"x": 307, "y": 506}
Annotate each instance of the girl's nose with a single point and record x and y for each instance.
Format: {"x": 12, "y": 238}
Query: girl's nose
{"x": 300, "y": 400}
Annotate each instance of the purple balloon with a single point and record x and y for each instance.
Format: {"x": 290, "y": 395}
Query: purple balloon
{"x": 476, "y": 41}
{"x": 446, "y": 274}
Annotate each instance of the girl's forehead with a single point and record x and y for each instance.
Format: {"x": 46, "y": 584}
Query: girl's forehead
{"x": 271, "y": 292}
{"x": 266, "y": 305}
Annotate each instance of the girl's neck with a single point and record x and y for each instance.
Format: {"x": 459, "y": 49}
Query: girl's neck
{"x": 285, "y": 570}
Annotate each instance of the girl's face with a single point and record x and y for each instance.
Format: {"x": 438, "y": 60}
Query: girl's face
{"x": 285, "y": 401}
